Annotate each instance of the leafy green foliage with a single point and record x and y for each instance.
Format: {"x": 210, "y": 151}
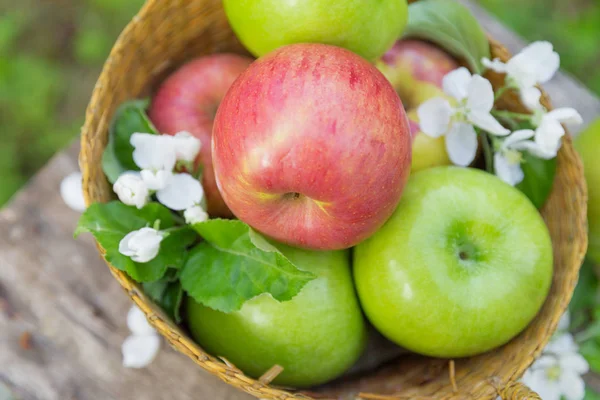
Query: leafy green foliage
{"x": 235, "y": 264}
{"x": 109, "y": 223}
{"x": 452, "y": 26}
{"x": 118, "y": 156}
{"x": 590, "y": 394}
{"x": 585, "y": 297}
{"x": 539, "y": 177}
{"x": 168, "y": 294}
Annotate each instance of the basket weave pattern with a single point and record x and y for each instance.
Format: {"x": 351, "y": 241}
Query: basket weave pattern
{"x": 167, "y": 33}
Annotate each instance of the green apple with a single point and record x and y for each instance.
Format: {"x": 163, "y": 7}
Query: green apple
{"x": 588, "y": 146}
{"x": 366, "y": 27}
{"x": 315, "y": 337}
{"x": 462, "y": 266}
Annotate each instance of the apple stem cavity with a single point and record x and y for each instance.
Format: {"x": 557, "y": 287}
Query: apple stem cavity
{"x": 292, "y": 195}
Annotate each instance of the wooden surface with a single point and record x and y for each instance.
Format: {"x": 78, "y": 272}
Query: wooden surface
{"x": 57, "y": 290}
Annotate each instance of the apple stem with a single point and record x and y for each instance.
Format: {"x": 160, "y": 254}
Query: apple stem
{"x": 487, "y": 153}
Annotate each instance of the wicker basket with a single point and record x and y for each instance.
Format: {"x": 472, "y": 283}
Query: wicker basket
{"x": 167, "y": 33}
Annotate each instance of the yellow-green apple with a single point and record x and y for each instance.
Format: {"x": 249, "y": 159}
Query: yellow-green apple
{"x": 311, "y": 146}
{"x": 365, "y": 27}
{"x": 315, "y": 337}
{"x": 588, "y": 146}
{"x": 463, "y": 265}
{"x": 188, "y": 100}
{"x": 416, "y": 70}
{"x": 427, "y": 151}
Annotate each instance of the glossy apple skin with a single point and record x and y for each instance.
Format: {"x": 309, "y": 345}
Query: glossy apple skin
{"x": 311, "y": 146}
{"x": 588, "y": 146}
{"x": 416, "y": 289}
{"x": 188, "y": 100}
{"x": 315, "y": 337}
{"x": 365, "y": 27}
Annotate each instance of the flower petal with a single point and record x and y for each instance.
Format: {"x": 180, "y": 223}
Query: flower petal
{"x": 495, "y": 65}
{"x": 531, "y": 98}
{"x": 544, "y": 362}
{"x": 182, "y": 192}
{"x": 461, "y": 144}
{"x": 137, "y": 322}
{"x": 510, "y": 173}
{"x": 142, "y": 245}
{"x": 536, "y": 63}
{"x": 153, "y": 151}
{"x": 156, "y": 180}
{"x": 487, "y": 122}
{"x": 480, "y": 95}
{"x": 124, "y": 245}
{"x": 562, "y": 344}
{"x": 131, "y": 189}
{"x": 516, "y": 137}
{"x": 535, "y": 149}
{"x": 572, "y": 385}
{"x": 456, "y": 83}
{"x": 195, "y": 215}
{"x": 565, "y": 115}
{"x": 140, "y": 350}
{"x": 574, "y": 362}
{"x": 186, "y": 146}
{"x": 538, "y": 382}
{"x": 71, "y": 191}
{"x": 434, "y": 116}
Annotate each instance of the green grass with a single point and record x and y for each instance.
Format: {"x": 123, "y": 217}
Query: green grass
{"x": 51, "y": 53}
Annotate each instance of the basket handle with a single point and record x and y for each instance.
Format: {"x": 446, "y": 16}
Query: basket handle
{"x": 517, "y": 391}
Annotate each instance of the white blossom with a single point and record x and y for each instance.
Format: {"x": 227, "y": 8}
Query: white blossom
{"x": 71, "y": 191}
{"x": 475, "y": 99}
{"x": 186, "y": 146}
{"x": 131, "y": 189}
{"x": 153, "y": 152}
{"x": 195, "y": 215}
{"x": 549, "y": 132}
{"x": 182, "y": 192}
{"x": 137, "y": 322}
{"x": 141, "y": 347}
{"x": 156, "y": 180}
{"x": 142, "y": 245}
{"x": 557, "y": 373}
{"x": 535, "y": 64}
{"x": 507, "y": 160}
{"x": 140, "y": 350}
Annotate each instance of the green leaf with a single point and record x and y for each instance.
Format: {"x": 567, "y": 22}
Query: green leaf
{"x": 585, "y": 296}
{"x": 590, "y": 350}
{"x": 590, "y": 394}
{"x": 168, "y": 295}
{"x": 235, "y": 264}
{"x": 130, "y": 118}
{"x": 450, "y": 25}
{"x": 110, "y": 164}
{"x": 110, "y": 222}
{"x": 539, "y": 177}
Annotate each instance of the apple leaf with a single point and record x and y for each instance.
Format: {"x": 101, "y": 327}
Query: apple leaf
{"x": 130, "y": 118}
{"x": 590, "y": 350}
{"x": 539, "y": 177}
{"x": 110, "y": 222}
{"x": 168, "y": 295}
{"x": 110, "y": 164}
{"x": 235, "y": 264}
{"x": 451, "y": 26}
{"x": 585, "y": 296}
{"x": 590, "y": 394}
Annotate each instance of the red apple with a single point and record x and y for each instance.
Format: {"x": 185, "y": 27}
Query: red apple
{"x": 188, "y": 101}
{"x": 416, "y": 70}
{"x": 311, "y": 146}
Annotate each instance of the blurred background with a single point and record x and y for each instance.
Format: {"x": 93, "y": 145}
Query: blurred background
{"x": 51, "y": 52}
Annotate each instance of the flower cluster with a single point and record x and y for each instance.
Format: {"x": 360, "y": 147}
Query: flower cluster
{"x": 141, "y": 347}
{"x": 158, "y": 156}
{"x": 469, "y": 111}
{"x": 557, "y": 373}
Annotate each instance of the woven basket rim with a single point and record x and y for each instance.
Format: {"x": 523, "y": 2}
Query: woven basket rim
{"x": 219, "y": 367}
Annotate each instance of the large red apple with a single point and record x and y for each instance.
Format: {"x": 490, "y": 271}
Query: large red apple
{"x": 188, "y": 101}
{"x": 311, "y": 146}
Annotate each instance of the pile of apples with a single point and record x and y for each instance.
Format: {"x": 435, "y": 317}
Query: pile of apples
{"x": 313, "y": 144}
